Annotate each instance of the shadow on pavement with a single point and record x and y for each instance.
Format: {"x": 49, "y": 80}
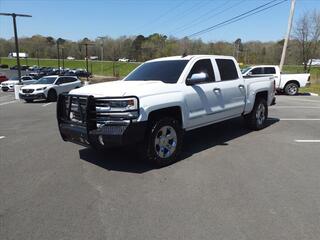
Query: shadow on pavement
{"x": 126, "y": 159}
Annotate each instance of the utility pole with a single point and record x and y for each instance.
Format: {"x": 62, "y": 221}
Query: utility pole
{"x": 14, "y": 15}
{"x": 284, "y": 50}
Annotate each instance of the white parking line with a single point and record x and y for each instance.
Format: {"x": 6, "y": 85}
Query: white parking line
{"x": 307, "y": 141}
{"x": 305, "y": 100}
{"x": 44, "y": 105}
{"x": 1, "y": 137}
{"x": 299, "y": 119}
{"x": 302, "y": 107}
{"x": 5, "y": 103}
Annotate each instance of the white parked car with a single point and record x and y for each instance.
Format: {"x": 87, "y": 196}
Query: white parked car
{"x": 9, "y": 84}
{"x": 70, "y": 58}
{"x": 289, "y": 83}
{"x": 49, "y": 88}
{"x": 160, "y": 100}
{"x": 123, "y": 60}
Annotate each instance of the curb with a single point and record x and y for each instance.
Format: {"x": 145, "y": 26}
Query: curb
{"x": 314, "y": 94}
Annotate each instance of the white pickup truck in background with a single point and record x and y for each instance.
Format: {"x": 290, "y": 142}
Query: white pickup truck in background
{"x": 289, "y": 83}
{"x": 160, "y": 100}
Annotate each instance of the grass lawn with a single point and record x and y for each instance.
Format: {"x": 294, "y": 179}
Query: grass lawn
{"x": 121, "y": 68}
{"x": 314, "y": 88}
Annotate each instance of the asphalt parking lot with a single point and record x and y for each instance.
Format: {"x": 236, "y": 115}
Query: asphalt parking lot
{"x": 230, "y": 184}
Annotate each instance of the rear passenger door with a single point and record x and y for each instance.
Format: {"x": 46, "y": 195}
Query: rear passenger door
{"x": 230, "y": 88}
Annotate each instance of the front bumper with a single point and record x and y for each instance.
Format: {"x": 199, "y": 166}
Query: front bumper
{"x": 87, "y": 132}
{"x": 31, "y": 96}
{"x": 6, "y": 88}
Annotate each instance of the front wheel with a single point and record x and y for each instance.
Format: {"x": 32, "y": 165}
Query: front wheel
{"x": 52, "y": 96}
{"x": 291, "y": 89}
{"x": 164, "y": 142}
{"x": 257, "y": 119}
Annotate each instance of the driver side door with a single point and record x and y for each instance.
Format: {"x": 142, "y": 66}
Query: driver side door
{"x": 204, "y": 103}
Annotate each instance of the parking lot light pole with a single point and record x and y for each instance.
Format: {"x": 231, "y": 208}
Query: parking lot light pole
{"x": 87, "y": 63}
{"x": 58, "y": 55}
{"x": 101, "y": 55}
{"x": 62, "y": 56}
{"x": 14, "y": 16}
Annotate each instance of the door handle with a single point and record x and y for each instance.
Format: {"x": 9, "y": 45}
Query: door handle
{"x": 241, "y": 86}
{"x": 217, "y": 90}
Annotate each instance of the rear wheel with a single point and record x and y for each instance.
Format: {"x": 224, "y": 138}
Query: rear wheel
{"x": 257, "y": 119}
{"x": 164, "y": 142}
{"x": 291, "y": 89}
{"x": 52, "y": 96}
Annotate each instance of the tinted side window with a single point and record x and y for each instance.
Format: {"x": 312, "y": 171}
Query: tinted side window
{"x": 61, "y": 80}
{"x": 269, "y": 70}
{"x": 227, "y": 68}
{"x": 257, "y": 71}
{"x": 203, "y": 66}
{"x": 71, "y": 79}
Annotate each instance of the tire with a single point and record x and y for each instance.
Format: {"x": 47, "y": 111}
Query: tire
{"x": 163, "y": 142}
{"x": 5, "y": 90}
{"x": 28, "y": 100}
{"x": 52, "y": 96}
{"x": 291, "y": 89}
{"x": 257, "y": 119}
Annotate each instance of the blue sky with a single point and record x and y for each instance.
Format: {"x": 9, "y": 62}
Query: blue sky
{"x": 76, "y": 19}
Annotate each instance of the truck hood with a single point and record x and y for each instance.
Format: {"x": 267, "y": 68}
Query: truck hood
{"x": 123, "y": 88}
{"x": 36, "y": 86}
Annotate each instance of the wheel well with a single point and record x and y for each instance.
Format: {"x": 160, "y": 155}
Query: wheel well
{"x": 263, "y": 95}
{"x": 293, "y": 81}
{"x": 174, "y": 112}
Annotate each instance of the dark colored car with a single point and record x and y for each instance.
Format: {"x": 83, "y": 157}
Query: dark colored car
{"x": 4, "y": 66}
{"x": 3, "y": 77}
{"x": 22, "y": 67}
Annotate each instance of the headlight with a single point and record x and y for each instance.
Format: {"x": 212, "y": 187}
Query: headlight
{"x": 124, "y": 108}
{"x": 43, "y": 88}
{"x": 117, "y": 105}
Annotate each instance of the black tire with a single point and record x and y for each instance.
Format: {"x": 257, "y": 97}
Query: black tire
{"x": 28, "y": 100}
{"x": 5, "y": 90}
{"x": 257, "y": 118}
{"x": 52, "y": 96}
{"x": 291, "y": 89}
{"x": 159, "y": 134}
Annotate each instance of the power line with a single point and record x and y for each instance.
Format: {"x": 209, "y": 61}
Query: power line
{"x": 253, "y": 11}
{"x": 183, "y": 13}
{"x": 165, "y": 13}
{"x": 200, "y": 19}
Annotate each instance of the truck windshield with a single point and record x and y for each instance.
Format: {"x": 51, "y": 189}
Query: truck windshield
{"x": 165, "y": 71}
{"x": 243, "y": 71}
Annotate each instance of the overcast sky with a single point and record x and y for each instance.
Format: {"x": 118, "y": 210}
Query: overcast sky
{"x": 76, "y": 19}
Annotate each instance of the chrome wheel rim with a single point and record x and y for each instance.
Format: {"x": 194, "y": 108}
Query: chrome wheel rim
{"x": 292, "y": 89}
{"x": 260, "y": 114}
{"x": 165, "y": 142}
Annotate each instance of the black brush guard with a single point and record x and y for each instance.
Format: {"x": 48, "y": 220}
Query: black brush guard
{"x": 82, "y": 128}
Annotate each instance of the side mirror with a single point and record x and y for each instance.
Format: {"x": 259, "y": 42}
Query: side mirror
{"x": 197, "y": 78}
{"x": 249, "y": 74}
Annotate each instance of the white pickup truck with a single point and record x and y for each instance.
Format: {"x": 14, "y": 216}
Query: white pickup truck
{"x": 161, "y": 99}
{"x": 289, "y": 83}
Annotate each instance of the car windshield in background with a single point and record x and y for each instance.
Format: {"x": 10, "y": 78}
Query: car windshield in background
{"x": 46, "y": 80}
{"x": 165, "y": 71}
{"x": 245, "y": 70}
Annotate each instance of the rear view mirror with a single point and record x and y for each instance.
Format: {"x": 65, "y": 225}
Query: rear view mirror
{"x": 197, "y": 78}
